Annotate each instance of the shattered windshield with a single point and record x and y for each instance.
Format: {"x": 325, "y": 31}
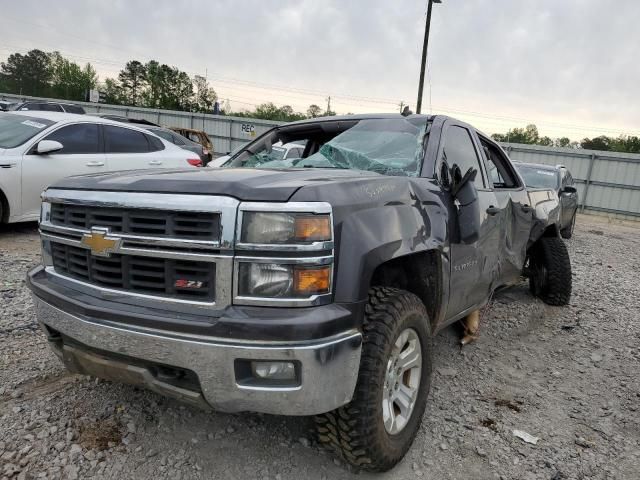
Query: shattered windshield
{"x": 386, "y": 146}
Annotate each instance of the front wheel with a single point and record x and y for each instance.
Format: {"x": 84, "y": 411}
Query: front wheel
{"x": 550, "y": 271}
{"x": 375, "y": 430}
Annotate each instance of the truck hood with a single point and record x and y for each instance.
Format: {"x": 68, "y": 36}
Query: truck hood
{"x": 248, "y": 184}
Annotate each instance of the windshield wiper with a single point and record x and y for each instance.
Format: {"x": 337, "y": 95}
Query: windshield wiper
{"x": 324, "y": 166}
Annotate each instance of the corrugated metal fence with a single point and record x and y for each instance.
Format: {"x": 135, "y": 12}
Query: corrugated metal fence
{"x": 608, "y": 183}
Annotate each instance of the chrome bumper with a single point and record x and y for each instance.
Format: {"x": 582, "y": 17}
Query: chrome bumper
{"x": 328, "y": 367}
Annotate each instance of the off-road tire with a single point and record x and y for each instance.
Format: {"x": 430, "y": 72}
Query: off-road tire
{"x": 567, "y": 232}
{"x": 356, "y": 432}
{"x": 550, "y": 271}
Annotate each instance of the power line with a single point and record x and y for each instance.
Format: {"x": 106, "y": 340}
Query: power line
{"x": 342, "y": 99}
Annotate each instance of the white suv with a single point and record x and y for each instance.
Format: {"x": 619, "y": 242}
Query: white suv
{"x": 39, "y": 148}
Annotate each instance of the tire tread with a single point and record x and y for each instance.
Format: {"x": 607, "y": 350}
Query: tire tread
{"x": 350, "y": 431}
{"x": 553, "y": 252}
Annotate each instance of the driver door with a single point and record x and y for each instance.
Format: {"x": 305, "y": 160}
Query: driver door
{"x": 81, "y": 153}
{"x": 473, "y": 261}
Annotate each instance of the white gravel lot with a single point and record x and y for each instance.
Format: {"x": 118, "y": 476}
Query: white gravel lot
{"x": 568, "y": 375}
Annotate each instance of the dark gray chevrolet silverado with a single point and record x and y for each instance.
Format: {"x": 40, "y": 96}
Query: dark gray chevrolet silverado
{"x": 311, "y": 286}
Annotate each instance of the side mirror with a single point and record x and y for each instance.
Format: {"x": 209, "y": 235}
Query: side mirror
{"x": 48, "y": 146}
{"x": 569, "y": 189}
{"x": 464, "y": 190}
{"x": 460, "y": 181}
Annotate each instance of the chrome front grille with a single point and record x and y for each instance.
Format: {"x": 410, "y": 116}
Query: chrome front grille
{"x": 147, "y": 222}
{"x": 165, "y": 277}
{"x": 171, "y": 248}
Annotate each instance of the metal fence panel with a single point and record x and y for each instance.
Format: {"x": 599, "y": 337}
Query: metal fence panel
{"x": 607, "y": 182}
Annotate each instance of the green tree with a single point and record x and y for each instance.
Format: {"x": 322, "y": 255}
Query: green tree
{"x": 269, "y": 111}
{"x": 182, "y": 90}
{"x": 314, "y": 111}
{"x": 155, "y": 82}
{"x": 205, "y": 96}
{"x": 69, "y": 80}
{"x": 598, "y": 143}
{"x": 564, "y": 142}
{"x": 133, "y": 81}
{"x": 545, "y": 141}
{"x": 628, "y": 144}
{"x": 27, "y": 74}
{"x": 113, "y": 92}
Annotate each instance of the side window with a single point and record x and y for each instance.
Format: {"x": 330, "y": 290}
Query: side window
{"x": 177, "y": 139}
{"x": 74, "y": 109}
{"x": 155, "y": 144}
{"x": 79, "y": 138}
{"x": 494, "y": 173}
{"x": 501, "y": 173}
{"x": 124, "y": 140}
{"x": 50, "y": 107}
{"x": 459, "y": 150}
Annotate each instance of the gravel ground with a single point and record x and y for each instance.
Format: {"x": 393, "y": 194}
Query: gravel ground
{"x": 569, "y": 376}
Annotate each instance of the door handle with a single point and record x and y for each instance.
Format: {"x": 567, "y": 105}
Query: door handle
{"x": 493, "y": 210}
{"x": 526, "y": 208}
{"x": 95, "y": 164}
{"x": 155, "y": 162}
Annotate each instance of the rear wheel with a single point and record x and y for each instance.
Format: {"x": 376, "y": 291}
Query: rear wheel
{"x": 567, "y": 232}
{"x": 375, "y": 430}
{"x": 550, "y": 271}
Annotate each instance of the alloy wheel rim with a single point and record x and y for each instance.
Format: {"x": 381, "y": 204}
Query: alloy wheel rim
{"x": 402, "y": 381}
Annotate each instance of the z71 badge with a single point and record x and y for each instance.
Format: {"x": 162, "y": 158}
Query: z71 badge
{"x": 183, "y": 283}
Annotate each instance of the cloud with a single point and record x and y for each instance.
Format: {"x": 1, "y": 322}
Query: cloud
{"x": 563, "y": 65}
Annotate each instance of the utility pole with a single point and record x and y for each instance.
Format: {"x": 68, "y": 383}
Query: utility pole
{"x": 424, "y": 53}
{"x": 328, "y": 104}
{"x": 401, "y": 105}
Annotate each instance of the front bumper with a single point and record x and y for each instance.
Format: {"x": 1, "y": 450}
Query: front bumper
{"x": 328, "y": 368}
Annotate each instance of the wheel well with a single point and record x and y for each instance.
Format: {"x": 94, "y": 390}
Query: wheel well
{"x": 418, "y": 273}
{"x": 4, "y": 218}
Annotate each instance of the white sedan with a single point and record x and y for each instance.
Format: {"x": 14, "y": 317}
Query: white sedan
{"x": 39, "y": 148}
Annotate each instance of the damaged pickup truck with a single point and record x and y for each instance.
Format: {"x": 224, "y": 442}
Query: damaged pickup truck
{"x": 310, "y": 286}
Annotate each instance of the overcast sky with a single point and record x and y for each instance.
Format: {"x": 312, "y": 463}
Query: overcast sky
{"x": 569, "y": 66}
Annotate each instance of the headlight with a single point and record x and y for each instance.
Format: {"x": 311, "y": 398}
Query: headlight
{"x": 273, "y": 280}
{"x": 45, "y": 212}
{"x": 284, "y": 228}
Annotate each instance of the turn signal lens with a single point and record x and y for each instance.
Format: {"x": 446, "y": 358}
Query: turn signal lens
{"x": 312, "y": 228}
{"x": 311, "y": 281}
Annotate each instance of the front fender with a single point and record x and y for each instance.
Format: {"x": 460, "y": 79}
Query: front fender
{"x": 377, "y": 219}
{"x": 546, "y": 215}
{"x": 374, "y": 236}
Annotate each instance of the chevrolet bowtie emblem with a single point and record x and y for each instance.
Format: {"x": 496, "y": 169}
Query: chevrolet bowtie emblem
{"x": 100, "y": 243}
